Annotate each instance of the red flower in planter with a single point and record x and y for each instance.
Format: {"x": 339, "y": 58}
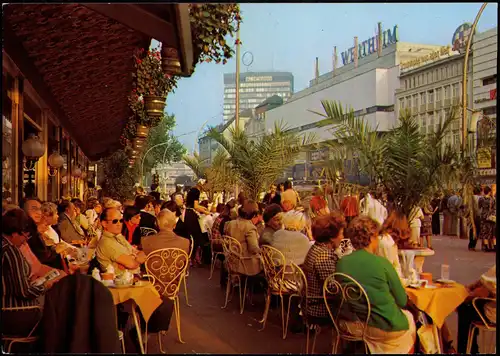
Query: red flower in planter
{"x": 138, "y": 61}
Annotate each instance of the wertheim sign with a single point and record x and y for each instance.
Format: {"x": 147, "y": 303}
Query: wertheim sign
{"x": 369, "y": 46}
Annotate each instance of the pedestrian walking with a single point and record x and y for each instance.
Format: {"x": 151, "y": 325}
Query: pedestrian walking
{"x": 426, "y": 229}
{"x": 436, "y": 223}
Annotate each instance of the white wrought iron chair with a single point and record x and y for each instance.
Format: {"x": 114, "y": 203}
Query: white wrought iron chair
{"x": 166, "y": 268}
{"x": 184, "y": 281}
{"x": 233, "y": 261}
{"x": 282, "y": 280}
{"x": 146, "y": 231}
{"x": 339, "y": 291}
{"x": 214, "y": 244}
{"x": 10, "y": 340}
{"x": 482, "y": 325}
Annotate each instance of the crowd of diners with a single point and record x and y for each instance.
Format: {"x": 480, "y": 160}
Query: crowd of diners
{"x": 39, "y": 237}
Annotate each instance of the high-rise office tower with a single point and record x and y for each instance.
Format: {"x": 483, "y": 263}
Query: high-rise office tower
{"x": 255, "y": 87}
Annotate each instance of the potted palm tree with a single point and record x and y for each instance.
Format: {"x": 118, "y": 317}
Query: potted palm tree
{"x": 408, "y": 164}
{"x": 259, "y": 162}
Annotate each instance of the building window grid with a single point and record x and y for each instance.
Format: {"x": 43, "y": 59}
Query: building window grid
{"x": 430, "y": 96}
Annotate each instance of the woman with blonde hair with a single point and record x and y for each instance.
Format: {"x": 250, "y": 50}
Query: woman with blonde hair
{"x": 290, "y": 241}
{"x": 50, "y": 237}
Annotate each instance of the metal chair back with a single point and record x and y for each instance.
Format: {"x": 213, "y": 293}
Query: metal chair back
{"x": 168, "y": 267}
{"x": 346, "y": 301}
{"x": 232, "y": 252}
{"x": 146, "y": 231}
{"x": 274, "y": 264}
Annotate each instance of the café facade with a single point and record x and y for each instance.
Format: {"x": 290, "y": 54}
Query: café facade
{"x": 66, "y": 76}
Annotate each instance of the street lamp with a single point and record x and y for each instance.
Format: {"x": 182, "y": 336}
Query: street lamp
{"x": 155, "y": 146}
{"x": 464, "y": 78}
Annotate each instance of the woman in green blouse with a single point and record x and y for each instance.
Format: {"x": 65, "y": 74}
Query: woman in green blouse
{"x": 390, "y": 328}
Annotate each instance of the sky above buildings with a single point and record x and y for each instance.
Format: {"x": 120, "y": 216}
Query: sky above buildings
{"x": 288, "y": 37}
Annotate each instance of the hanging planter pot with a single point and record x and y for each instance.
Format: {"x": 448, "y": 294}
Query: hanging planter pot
{"x": 154, "y": 105}
{"x": 142, "y": 131}
{"x": 138, "y": 144}
{"x": 170, "y": 61}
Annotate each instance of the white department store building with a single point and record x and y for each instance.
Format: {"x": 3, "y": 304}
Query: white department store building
{"x": 368, "y": 88}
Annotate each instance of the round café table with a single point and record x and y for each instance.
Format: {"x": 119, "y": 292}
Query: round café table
{"x": 146, "y": 297}
{"x": 420, "y": 255}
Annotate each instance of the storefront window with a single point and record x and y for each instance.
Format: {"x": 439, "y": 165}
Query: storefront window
{"x": 7, "y": 150}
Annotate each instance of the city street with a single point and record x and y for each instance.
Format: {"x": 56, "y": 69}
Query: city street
{"x": 206, "y": 328}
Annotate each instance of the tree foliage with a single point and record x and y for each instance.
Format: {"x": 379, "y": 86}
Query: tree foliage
{"x": 260, "y": 162}
{"x": 220, "y": 174}
{"x": 171, "y": 151}
{"x": 194, "y": 162}
{"x": 119, "y": 179}
{"x": 411, "y": 166}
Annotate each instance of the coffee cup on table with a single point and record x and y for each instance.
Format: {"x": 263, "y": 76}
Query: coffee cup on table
{"x": 427, "y": 276}
{"x": 107, "y": 276}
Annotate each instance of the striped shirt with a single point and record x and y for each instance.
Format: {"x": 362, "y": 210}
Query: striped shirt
{"x": 16, "y": 271}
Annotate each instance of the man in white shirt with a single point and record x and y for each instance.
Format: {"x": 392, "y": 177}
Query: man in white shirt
{"x": 373, "y": 208}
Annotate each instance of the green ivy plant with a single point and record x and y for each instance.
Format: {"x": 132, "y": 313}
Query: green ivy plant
{"x": 210, "y": 24}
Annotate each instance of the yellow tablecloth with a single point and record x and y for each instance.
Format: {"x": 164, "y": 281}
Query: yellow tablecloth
{"x": 438, "y": 302}
{"x": 147, "y": 298}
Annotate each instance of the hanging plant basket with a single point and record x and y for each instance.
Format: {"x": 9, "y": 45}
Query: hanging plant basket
{"x": 170, "y": 61}
{"x": 142, "y": 131}
{"x": 154, "y": 105}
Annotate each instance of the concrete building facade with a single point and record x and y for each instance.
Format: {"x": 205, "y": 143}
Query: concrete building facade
{"x": 255, "y": 87}
{"x": 484, "y": 79}
{"x": 173, "y": 174}
{"x": 430, "y": 87}
{"x": 367, "y": 88}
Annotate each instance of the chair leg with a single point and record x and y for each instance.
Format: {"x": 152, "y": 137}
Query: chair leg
{"x": 307, "y": 338}
{"x": 285, "y": 324}
{"x": 228, "y": 287}
{"x": 212, "y": 265}
{"x": 266, "y": 310}
{"x": 470, "y": 338}
{"x": 186, "y": 292}
{"x": 146, "y": 340}
{"x": 160, "y": 341}
{"x": 335, "y": 341}
{"x": 123, "y": 345}
{"x": 178, "y": 318}
{"x": 317, "y": 330}
{"x": 9, "y": 346}
{"x": 242, "y": 301}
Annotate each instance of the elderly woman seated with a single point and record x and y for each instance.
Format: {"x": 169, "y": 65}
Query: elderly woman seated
{"x": 390, "y": 329}
{"x": 290, "y": 241}
{"x": 243, "y": 229}
{"x": 272, "y": 218}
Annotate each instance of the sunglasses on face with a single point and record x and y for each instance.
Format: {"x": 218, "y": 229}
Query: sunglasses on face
{"x": 116, "y": 221}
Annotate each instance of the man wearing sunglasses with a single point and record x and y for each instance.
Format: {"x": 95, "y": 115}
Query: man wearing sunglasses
{"x": 113, "y": 248}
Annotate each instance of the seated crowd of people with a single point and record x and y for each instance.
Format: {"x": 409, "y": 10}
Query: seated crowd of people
{"x": 42, "y": 237}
